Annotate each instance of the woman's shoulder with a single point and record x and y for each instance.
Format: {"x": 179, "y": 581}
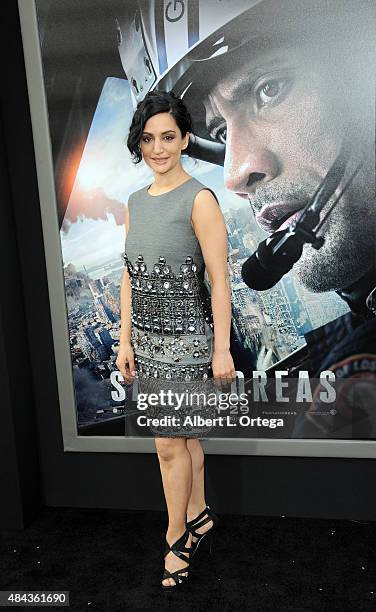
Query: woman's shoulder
{"x": 197, "y": 182}
{"x": 137, "y": 191}
{"x": 134, "y": 195}
{"x": 201, "y": 187}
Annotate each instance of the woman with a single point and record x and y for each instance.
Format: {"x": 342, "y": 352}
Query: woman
{"x": 170, "y": 332}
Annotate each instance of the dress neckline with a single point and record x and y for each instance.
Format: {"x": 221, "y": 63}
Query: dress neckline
{"x": 166, "y": 192}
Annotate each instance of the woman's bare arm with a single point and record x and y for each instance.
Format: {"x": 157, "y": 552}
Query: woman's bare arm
{"x": 125, "y": 359}
{"x": 125, "y": 297}
{"x": 210, "y": 229}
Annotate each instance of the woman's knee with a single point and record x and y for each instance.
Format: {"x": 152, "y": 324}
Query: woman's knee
{"x": 193, "y": 443}
{"x": 169, "y": 448}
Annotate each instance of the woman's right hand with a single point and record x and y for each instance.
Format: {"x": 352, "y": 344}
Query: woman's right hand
{"x": 125, "y": 362}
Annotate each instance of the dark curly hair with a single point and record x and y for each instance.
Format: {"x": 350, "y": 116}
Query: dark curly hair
{"x": 156, "y": 102}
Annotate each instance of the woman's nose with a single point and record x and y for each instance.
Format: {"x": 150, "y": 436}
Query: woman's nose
{"x": 157, "y": 148}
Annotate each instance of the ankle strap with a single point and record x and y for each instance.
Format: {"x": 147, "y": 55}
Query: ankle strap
{"x": 200, "y": 516}
{"x": 179, "y": 548}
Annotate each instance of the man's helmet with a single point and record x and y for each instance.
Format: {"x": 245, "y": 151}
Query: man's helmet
{"x": 162, "y": 43}
{"x": 173, "y": 44}
{"x": 159, "y": 41}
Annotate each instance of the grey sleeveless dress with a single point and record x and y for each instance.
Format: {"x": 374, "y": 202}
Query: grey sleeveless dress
{"x": 172, "y": 321}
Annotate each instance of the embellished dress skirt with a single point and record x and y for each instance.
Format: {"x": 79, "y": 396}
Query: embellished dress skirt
{"x": 172, "y": 340}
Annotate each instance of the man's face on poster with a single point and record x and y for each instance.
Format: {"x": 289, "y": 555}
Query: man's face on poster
{"x": 283, "y": 113}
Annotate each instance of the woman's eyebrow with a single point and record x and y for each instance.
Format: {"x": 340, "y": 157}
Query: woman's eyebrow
{"x": 166, "y": 132}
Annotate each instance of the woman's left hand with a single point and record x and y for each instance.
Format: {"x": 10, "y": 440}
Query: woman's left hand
{"x": 223, "y": 366}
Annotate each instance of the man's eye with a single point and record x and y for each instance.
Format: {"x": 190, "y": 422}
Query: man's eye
{"x": 271, "y": 92}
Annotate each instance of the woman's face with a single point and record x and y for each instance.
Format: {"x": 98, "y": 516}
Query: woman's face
{"x": 162, "y": 142}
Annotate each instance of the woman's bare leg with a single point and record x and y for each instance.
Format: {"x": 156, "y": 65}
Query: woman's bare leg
{"x": 197, "y": 503}
{"x": 176, "y": 470}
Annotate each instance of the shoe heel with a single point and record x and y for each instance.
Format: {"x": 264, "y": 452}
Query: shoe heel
{"x": 211, "y": 543}
{"x": 204, "y": 517}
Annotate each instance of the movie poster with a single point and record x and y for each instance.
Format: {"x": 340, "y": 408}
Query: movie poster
{"x": 279, "y": 91}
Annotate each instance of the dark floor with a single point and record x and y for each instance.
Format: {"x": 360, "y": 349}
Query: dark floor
{"x": 112, "y": 560}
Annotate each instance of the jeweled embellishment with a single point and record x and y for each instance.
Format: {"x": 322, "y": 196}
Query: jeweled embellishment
{"x": 187, "y": 307}
{"x": 158, "y": 369}
{"x": 176, "y": 348}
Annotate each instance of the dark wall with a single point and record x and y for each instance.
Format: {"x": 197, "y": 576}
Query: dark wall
{"x": 34, "y": 470}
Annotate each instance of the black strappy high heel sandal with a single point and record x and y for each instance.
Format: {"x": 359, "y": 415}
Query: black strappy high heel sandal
{"x": 178, "y": 548}
{"x": 204, "y": 517}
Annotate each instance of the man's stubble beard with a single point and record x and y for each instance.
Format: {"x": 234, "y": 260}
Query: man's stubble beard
{"x": 349, "y": 248}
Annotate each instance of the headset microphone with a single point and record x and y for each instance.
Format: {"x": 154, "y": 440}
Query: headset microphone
{"x": 276, "y": 255}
